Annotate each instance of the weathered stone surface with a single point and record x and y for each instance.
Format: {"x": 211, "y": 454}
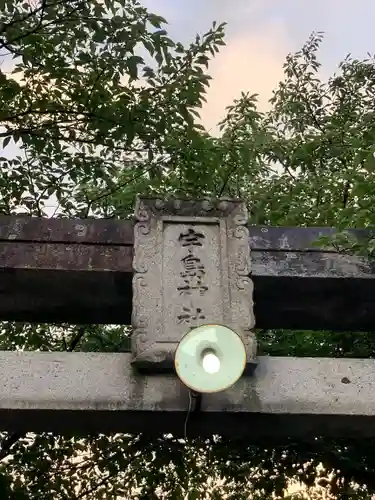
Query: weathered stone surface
{"x": 286, "y": 397}
{"x": 311, "y": 265}
{"x": 88, "y": 231}
{"x": 294, "y": 239}
{"x": 50, "y": 273}
{"x": 191, "y": 267}
{"x": 77, "y": 283}
{"x": 72, "y": 257}
{"x": 121, "y": 232}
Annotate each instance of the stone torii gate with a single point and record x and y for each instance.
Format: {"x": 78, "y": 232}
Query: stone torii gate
{"x": 105, "y": 271}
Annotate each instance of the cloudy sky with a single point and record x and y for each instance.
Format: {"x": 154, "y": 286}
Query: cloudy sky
{"x": 259, "y": 35}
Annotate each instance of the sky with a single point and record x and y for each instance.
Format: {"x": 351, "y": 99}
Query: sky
{"x": 260, "y": 33}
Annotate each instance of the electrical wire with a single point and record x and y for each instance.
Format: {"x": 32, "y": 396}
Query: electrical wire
{"x": 188, "y": 414}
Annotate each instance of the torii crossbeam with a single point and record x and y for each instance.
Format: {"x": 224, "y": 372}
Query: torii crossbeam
{"x": 80, "y": 271}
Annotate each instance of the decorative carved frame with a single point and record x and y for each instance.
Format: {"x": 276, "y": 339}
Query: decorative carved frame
{"x": 153, "y": 348}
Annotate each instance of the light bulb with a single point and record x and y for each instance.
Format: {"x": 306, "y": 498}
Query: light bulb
{"x": 210, "y": 358}
{"x": 211, "y": 363}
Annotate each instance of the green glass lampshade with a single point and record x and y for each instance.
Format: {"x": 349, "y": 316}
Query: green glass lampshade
{"x": 210, "y": 358}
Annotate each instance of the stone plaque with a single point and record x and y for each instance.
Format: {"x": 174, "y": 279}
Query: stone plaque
{"x": 191, "y": 267}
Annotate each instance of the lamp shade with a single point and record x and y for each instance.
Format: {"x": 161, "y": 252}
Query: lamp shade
{"x": 210, "y": 358}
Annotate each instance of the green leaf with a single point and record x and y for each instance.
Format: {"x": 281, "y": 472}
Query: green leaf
{"x": 132, "y": 64}
{"x": 155, "y": 20}
{"x": 369, "y": 164}
{"x": 99, "y": 35}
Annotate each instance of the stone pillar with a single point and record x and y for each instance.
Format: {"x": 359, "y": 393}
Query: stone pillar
{"x": 191, "y": 267}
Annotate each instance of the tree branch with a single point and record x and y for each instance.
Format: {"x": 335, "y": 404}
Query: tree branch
{"x": 7, "y": 444}
{"x": 346, "y": 194}
{"x": 118, "y": 187}
{"x": 27, "y": 16}
{"x": 41, "y": 9}
{"x": 76, "y": 339}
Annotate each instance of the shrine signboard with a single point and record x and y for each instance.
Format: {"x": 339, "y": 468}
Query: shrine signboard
{"x": 191, "y": 267}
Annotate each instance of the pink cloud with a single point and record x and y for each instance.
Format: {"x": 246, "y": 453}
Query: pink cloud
{"x": 250, "y": 62}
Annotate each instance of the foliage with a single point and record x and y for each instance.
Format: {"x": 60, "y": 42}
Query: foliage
{"x": 103, "y": 105}
{"x": 88, "y": 123}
